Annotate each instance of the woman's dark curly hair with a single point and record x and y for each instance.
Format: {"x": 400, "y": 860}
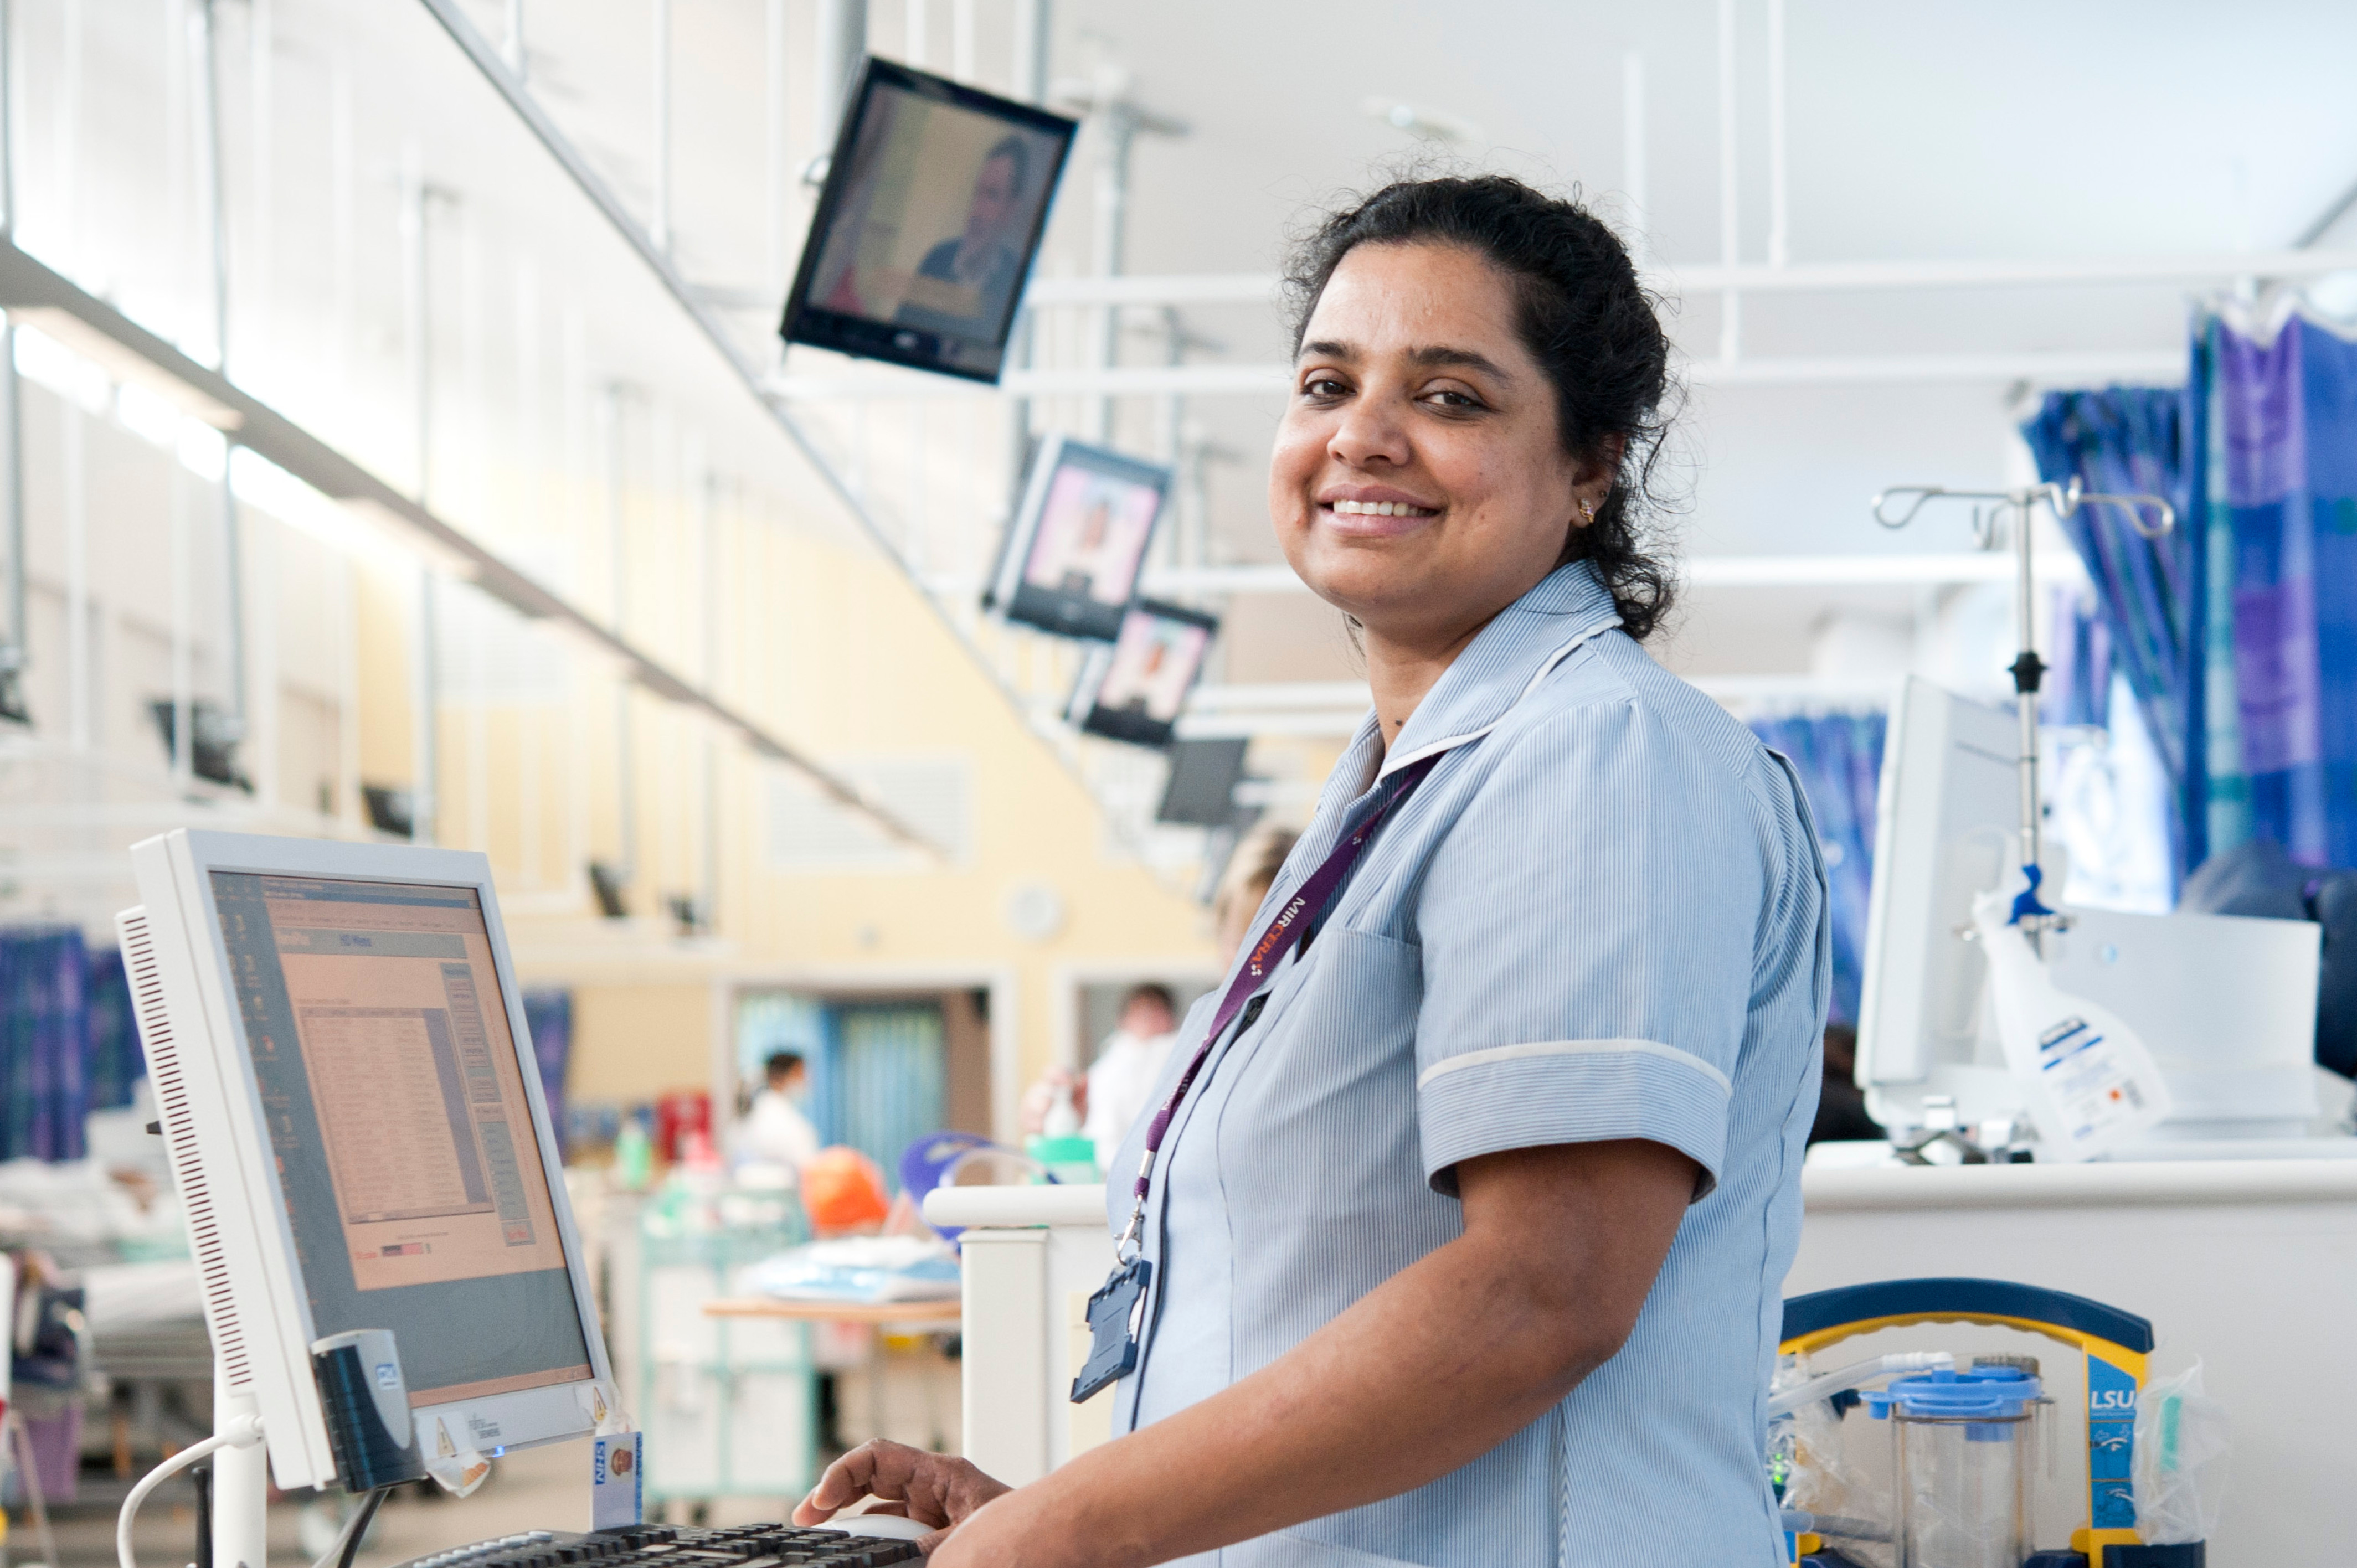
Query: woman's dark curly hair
{"x": 1583, "y": 316}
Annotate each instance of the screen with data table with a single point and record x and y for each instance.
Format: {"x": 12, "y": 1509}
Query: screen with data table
{"x": 403, "y": 1133}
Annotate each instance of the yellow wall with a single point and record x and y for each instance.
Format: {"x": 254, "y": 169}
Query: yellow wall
{"x": 631, "y": 1043}
{"x": 386, "y": 604}
{"x": 833, "y": 651}
{"x": 742, "y": 583}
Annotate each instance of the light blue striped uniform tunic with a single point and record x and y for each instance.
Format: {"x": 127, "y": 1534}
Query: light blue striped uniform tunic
{"x": 1602, "y": 916}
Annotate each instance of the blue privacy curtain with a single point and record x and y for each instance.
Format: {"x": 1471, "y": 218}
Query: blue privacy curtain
{"x": 2280, "y": 619}
{"x": 117, "y": 1061}
{"x": 885, "y": 1081}
{"x": 549, "y": 1015}
{"x": 2079, "y": 664}
{"x": 2147, "y": 592}
{"x": 878, "y": 1070}
{"x": 44, "y": 1042}
{"x": 1839, "y": 759}
{"x": 2238, "y": 634}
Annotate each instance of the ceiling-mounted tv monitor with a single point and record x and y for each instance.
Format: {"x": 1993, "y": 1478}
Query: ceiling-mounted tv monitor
{"x": 1200, "y": 789}
{"x": 933, "y": 205}
{"x": 1070, "y": 561}
{"x": 1134, "y": 690}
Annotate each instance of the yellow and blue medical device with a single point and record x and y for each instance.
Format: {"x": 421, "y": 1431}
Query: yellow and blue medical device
{"x": 2117, "y": 1345}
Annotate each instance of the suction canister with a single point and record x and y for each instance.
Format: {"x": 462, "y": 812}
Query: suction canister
{"x": 367, "y": 1405}
{"x": 1961, "y": 1466}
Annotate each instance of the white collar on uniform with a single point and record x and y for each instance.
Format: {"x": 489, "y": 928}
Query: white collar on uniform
{"x": 1504, "y": 663}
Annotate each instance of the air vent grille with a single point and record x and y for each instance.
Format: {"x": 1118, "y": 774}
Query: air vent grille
{"x": 171, "y": 1087}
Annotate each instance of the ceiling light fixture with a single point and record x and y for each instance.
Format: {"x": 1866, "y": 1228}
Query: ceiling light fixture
{"x": 1424, "y": 124}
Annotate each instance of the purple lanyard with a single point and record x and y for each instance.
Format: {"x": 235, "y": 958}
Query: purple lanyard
{"x": 1292, "y": 922}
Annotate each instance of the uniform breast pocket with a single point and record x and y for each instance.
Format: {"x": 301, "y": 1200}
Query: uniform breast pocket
{"x": 1320, "y": 1160}
{"x": 1343, "y": 1042}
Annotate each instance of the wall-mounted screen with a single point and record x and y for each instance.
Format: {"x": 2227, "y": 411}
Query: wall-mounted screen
{"x": 1134, "y": 690}
{"x": 1071, "y": 562}
{"x": 1200, "y": 789}
{"x": 933, "y": 207}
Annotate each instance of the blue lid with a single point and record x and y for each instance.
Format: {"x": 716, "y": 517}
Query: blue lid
{"x": 1987, "y": 1393}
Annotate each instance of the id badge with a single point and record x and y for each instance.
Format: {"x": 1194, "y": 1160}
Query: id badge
{"x": 1113, "y": 1314}
{"x": 616, "y": 1484}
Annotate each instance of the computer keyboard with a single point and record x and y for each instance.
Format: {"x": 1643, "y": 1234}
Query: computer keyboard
{"x": 678, "y": 1546}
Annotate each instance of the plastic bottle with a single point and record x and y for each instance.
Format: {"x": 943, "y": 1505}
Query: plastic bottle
{"x": 1063, "y": 1120}
{"x": 1058, "y": 1145}
{"x": 634, "y": 1156}
{"x": 2088, "y": 1081}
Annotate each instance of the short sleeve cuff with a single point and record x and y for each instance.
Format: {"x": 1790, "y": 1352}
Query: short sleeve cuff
{"x": 1571, "y": 1091}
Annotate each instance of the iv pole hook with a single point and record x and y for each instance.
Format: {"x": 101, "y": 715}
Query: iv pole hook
{"x": 2028, "y": 669}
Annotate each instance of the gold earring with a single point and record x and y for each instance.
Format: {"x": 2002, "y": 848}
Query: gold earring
{"x": 1586, "y": 509}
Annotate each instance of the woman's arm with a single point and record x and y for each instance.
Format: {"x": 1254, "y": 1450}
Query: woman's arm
{"x": 1447, "y": 1359}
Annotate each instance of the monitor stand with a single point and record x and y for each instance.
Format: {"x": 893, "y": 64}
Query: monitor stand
{"x": 241, "y": 1486}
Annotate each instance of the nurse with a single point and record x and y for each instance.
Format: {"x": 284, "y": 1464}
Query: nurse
{"x": 1466, "y": 1224}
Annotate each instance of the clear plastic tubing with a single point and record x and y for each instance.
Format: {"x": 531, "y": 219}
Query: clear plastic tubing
{"x": 1800, "y": 1521}
{"x": 1828, "y": 1384}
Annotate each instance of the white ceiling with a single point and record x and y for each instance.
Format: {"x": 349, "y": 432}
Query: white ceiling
{"x": 2005, "y": 130}
{"x": 2010, "y": 131}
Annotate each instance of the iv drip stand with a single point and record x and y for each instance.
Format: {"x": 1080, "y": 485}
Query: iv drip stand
{"x": 2028, "y": 911}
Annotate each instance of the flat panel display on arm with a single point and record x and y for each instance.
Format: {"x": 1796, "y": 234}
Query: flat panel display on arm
{"x": 1135, "y": 690}
{"x": 396, "y": 1110}
{"x": 1073, "y": 552}
{"x": 933, "y": 205}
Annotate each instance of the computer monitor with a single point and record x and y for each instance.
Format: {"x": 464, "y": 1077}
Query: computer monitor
{"x": 1947, "y": 818}
{"x": 1071, "y": 558}
{"x": 933, "y": 206}
{"x": 356, "y": 1124}
{"x": 1200, "y": 790}
{"x": 1134, "y": 690}
{"x": 2225, "y": 1005}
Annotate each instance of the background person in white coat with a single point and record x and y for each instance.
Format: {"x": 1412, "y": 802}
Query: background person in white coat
{"x": 775, "y": 1132}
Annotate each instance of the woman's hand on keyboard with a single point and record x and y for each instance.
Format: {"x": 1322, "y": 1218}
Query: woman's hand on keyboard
{"x": 932, "y": 1488}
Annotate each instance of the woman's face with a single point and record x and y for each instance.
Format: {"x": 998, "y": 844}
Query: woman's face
{"x": 1419, "y": 481}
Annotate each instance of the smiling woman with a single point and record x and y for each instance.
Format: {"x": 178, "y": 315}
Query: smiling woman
{"x": 1460, "y": 1231}
{"x": 1562, "y": 289}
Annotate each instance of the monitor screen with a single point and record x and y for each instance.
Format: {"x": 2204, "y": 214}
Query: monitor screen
{"x": 1073, "y": 552}
{"x": 1202, "y": 789}
{"x": 405, "y": 1139}
{"x": 1135, "y": 692}
{"x": 933, "y": 205}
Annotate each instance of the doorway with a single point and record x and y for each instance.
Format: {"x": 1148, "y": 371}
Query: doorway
{"x": 885, "y": 1069}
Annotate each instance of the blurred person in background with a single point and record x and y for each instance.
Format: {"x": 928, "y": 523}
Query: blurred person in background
{"x": 1121, "y": 1081}
{"x": 775, "y": 1132}
{"x": 1251, "y": 872}
{"x": 1116, "y": 1091}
